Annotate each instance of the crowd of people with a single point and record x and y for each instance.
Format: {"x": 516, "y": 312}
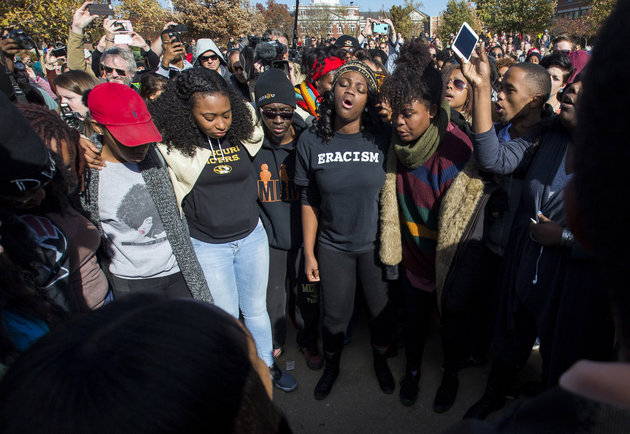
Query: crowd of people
{"x": 170, "y": 208}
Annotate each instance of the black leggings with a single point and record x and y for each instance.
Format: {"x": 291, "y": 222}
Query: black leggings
{"x": 287, "y": 282}
{"x": 338, "y": 279}
{"x": 419, "y": 306}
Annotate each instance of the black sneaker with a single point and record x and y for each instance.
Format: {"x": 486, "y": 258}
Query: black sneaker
{"x": 281, "y": 379}
{"x": 409, "y": 389}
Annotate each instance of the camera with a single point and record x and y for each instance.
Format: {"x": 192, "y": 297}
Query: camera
{"x": 267, "y": 51}
{"x": 174, "y": 32}
{"x": 72, "y": 119}
{"x": 23, "y": 40}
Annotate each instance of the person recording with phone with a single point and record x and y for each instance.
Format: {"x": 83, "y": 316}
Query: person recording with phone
{"x": 386, "y": 28}
{"x": 111, "y": 61}
{"x": 174, "y": 54}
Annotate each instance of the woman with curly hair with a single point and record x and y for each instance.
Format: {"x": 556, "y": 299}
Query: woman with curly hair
{"x": 340, "y": 165}
{"x": 205, "y": 125}
{"x": 427, "y": 153}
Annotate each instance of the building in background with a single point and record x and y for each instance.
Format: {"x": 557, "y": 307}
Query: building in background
{"x": 329, "y": 18}
{"x": 572, "y": 9}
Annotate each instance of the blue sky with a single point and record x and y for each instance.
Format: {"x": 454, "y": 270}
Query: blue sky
{"x": 431, "y": 7}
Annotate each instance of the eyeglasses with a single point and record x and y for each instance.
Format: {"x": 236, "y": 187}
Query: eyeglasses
{"x": 109, "y": 70}
{"x": 458, "y": 84}
{"x": 496, "y": 55}
{"x": 212, "y": 58}
{"x": 285, "y": 116}
{"x": 237, "y": 68}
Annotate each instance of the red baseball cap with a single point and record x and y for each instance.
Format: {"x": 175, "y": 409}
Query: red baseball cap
{"x": 124, "y": 113}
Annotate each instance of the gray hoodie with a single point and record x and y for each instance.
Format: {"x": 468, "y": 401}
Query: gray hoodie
{"x": 205, "y": 45}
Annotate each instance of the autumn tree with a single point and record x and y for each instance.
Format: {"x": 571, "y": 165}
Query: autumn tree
{"x": 276, "y": 16}
{"x": 457, "y": 12}
{"x": 401, "y": 18}
{"x": 600, "y": 9}
{"x": 578, "y": 27}
{"x": 148, "y": 17}
{"x": 522, "y": 16}
{"x": 44, "y": 19}
{"x": 214, "y": 18}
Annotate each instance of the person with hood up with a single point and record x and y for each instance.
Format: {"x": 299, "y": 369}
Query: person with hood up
{"x": 208, "y": 55}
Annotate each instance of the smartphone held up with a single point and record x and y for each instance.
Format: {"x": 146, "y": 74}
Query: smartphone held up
{"x": 123, "y": 31}
{"x": 465, "y": 42}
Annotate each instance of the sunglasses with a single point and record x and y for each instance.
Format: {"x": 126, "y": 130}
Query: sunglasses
{"x": 212, "y": 57}
{"x": 496, "y": 55}
{"x": 109, "y": 70}
{"x": 285, "y": 116}
{"x": 237, "y": 68}
{"x": 458, "y": 84}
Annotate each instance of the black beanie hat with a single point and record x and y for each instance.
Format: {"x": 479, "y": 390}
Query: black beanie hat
{"x": 25, "y": 163}
{"x": 274, "y": 86}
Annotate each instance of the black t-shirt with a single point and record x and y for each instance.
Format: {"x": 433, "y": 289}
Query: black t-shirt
{"x": 222, "y": 205}
{"x": 343, "y": 178}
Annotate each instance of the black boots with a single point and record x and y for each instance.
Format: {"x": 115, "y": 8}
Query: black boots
{"x": 409, "y": 388}
{"x": 500, "y": 381}
{"x": 331, "y": 372}
{"x": 446, "y": 393}
{"x": 491, "y": 401}
{"x": 383, "y": 374}
{"x": 332, "y": 345}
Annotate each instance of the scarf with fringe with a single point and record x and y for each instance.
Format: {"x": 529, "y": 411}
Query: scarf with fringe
{"x": 307, "y": 97}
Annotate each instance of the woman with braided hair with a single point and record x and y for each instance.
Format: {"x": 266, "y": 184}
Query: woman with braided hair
{"x": 426, "y": 154}
{"x": 205, "y": 127}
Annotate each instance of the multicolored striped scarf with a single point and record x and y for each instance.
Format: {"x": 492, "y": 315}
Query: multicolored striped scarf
{"x": 307, "y": 97}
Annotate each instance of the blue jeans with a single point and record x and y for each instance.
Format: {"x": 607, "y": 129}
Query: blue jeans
{"x": 237, "y": 274}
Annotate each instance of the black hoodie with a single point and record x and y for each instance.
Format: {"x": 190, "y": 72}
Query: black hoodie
{"x": 278, "y": 197}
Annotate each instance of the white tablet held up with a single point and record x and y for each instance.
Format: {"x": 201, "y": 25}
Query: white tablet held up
{"x": 465, "y": 42}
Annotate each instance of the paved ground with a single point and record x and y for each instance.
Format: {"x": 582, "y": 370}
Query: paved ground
{"x": 357, "y": 405}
